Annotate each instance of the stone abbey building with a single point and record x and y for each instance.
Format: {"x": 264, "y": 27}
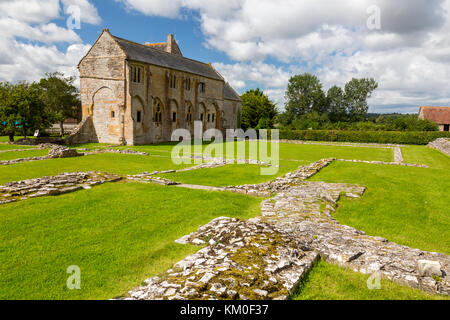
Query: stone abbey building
{"x": 139, "y": 93}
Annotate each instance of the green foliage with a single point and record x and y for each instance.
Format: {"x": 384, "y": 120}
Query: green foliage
{"x": 61, "y": 97}
{"x": 304, "y": 94}
{"x": 406, "y": 123}
{"x": 357, "y": 91}
{"x": 22, "y": 108}
{"x": 312, "y": 120}
{"x": 336, "y": 104}
{"x": 256, "y": 106}
{"x": 395, "y": 137}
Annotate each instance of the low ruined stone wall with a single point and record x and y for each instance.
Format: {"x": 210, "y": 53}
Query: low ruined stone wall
{"x": 52, "y": 186}
{"x": 441, "y": 144}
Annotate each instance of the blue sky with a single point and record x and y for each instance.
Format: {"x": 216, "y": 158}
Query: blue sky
{"x": 403, "y": 44}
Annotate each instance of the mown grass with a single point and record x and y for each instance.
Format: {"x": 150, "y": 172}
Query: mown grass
{"x": 108, "y": 162}
{"x": 231, "y": 175}
{"x": 406, "y": 205}
{"x": 427, "y": 156}
{"x": 291, "y": 157}
{"x": 288, "y": 151}
{"x": 6, "y": 138}
{"x": 22, "y": 154}
{"x": 118, "y": 234}
{"x": 330, "y": 282}
{"x": 5, "y": 146}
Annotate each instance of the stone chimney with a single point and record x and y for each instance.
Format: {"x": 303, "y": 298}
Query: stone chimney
{"x": 172, "y": 45}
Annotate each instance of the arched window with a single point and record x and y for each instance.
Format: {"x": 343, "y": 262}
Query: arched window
{"x": 189, "y": 114}
{"x": 158, "y": 113}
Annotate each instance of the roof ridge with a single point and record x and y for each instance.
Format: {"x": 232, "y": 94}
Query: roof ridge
{"x": 165, "y": 52}
{"x": 227, "y": 84}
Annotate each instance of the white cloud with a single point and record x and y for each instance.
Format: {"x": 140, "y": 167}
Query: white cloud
{"x": 164, "y": 8}
{"x": 33, "y": 11}
{"x": 409, "y": 56}
{"x": 28, "y": 38}
{"x": 50, "y": 32}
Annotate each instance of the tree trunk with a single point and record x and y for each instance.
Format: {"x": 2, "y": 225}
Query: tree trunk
{"x": 11, "y": 137}
{"x": 61, "y": 126}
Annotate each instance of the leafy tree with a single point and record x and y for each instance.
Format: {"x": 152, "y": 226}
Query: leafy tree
{"x": 61, "y": 97}
{"x": 256, "y": 106}
{"x": 336, "y": 104}
{"x": 304, "y": 94}
{"x": 312, "y": 120}
{"x": 22, "y": 108}
{"x": 357, "y": 91}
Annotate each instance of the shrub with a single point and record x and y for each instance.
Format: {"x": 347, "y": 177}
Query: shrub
{"x": 389, "y": 137}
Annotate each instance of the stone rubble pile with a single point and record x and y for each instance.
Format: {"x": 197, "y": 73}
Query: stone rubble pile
{"x": 55, "y": 152}
{"x": 62, "y": 152}
{"x": 243, "y": 260}
{"x": 386, "y": 163}
{"x": 123, "y": 151}
{"x": 54, "y": 185}
{"x": 441, "y": 144}
{"x": 225, "y": 161}
{"x": 266, "y": 257}
{"x": 150, "y": 178}
{"x": 20, "y": 160}
{"x": 266, "y": 189}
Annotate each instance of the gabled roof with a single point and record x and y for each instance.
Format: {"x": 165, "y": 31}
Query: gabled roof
{"x": 229, "y": 93}
{"x": 440, "y": 115}
{"x": 147, "y": 54}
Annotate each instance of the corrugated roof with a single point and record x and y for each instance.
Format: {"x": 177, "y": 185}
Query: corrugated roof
{"x": 229, "y": 93}
{"x": 147, "y": 54}
{"x": 440, "y": 115}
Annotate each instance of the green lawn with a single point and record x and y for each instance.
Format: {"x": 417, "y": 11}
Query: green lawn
{"x": 330, "y": 282}
{"x": 231, "y": 175}
{"x": 118, "y": 234}
{"x": 291, "y": 157}
{"x": 406, "y": 205}
{"x": 428, "y": 156}
{"x": 121, "y": 233}
{"x": 22, "y": 154}
{"x": 290, "y": 151}
{"x": 108, "y": 162}
{"x": 5, "y": 146}
{"x": 6, "y": 138}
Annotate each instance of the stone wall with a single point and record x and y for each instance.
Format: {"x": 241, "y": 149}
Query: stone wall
{"x": 114, "y": 101}
{"x": 441, "y": 144}
{"x": 102, "y": 82}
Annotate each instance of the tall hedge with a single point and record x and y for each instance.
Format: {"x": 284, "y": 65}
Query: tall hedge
{"x": 391, "y": 137}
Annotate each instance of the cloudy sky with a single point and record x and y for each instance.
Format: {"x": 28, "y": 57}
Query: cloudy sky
{"x": 253, "y": 43}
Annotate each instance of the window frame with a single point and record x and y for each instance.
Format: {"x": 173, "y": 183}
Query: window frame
{"x": 136, "y": 74}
